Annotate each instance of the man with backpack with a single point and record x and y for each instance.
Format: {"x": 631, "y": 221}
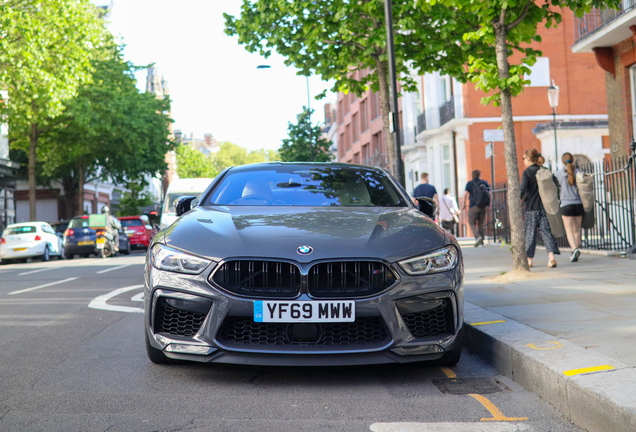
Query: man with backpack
{"x": 478, "y": 191}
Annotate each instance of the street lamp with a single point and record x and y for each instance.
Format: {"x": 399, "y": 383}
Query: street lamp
{"x": 553, "y": 98}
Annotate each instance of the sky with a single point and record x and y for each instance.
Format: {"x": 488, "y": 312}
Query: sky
{"x": 214, "y": 84}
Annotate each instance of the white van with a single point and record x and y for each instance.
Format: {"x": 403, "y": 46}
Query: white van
{"x": 178, "y": 188}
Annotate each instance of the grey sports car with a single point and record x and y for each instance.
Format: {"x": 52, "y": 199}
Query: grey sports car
{"x": 303, "y": 264}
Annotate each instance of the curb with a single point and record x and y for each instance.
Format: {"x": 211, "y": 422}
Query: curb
{"x": 597, "y": 393}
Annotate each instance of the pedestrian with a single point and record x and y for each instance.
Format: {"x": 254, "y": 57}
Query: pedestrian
{"x": 535, "y": 215}
{"x": 571, "y": 205}
{"x": 478, "y": 193}
{"x": 425, "y": 189}
{"x": 448, "y": 212}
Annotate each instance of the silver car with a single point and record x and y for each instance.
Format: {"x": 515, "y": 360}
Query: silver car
{"x": 304, "y": 264}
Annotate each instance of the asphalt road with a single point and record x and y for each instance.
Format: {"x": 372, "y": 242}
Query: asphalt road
{"x": 65, "y": 366}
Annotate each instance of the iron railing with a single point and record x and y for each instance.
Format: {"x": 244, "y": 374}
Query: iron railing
{"x": 598, "y": 18}
{"x": 421, "y": 123}
{"x": 614, "y": 210}
{"x": 447, "y": 111}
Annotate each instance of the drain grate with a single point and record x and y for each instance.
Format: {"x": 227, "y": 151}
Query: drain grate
{"x": 462, "y": 386}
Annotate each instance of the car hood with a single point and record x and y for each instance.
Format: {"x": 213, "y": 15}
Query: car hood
{"x": 277, "y": 232}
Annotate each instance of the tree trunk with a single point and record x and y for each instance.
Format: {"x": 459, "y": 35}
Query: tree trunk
{"x": 33, "y": 144}
{"x": 385, "y": 108}
{"x": 515, "y": 212}
{"x": 70, "y": 196}
{"x": 80, "y": 191}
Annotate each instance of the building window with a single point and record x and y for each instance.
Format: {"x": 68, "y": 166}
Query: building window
{"x": 363, "y": 116}
{"x": 340, "y": 113}
{"x": 365, "y": 153}
{"x": 354, "y": 127}
{"x": 356, "y": 158}
{"x": 341, "y": 145}
{"x": 347, "y": 136}
{"x": 446, "y": 167}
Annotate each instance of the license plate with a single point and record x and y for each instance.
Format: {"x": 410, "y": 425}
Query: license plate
{"x": 100, "y": 243}
{"x": 84, "y": 243}
{"x": 304, "y": 311}
{"x": 19, "y": 249}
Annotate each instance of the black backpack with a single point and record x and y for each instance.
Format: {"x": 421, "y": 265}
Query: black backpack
{"x": 480, "y": 194}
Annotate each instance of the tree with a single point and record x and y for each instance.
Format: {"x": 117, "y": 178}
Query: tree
{"x": 46, "y": 48}
{"x": 192, "y": 163}
{"x": 109, "y": 131}
{"x": 133, "y": 200}
{"x": 230, "y": 154}
{"x": 337, "y": 38}
{"x": 508, "y": 26}
{"x": 304, "y": 143}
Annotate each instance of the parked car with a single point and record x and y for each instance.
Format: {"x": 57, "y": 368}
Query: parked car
{"x": 124, "y": 240}
{"x": 304, "y": 264}
{"x": 82, "y": 238}
{"x": 59, "y": 227}
{"x": 30, "y": 240}
{"x": 138, "y": 229}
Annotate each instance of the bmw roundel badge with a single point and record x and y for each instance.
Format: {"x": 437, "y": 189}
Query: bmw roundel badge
{"x": 304, "y": 250}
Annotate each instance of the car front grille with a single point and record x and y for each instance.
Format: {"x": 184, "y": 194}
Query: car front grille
{"x": 349, "y": 279}
{"x": 243, "y": 330}
{"x": 259, "y": 278}
{"x": 176, "y": 321}
{"x": 433, "y": 322}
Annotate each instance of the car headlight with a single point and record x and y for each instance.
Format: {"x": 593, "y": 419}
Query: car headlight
{"x": 439, "y": 261}
{"x": 165, "y": 258}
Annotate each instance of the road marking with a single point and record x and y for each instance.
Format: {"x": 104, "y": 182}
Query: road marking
{"x": 449, "y": 373}
{"x": 449, "y": 427}
{"x": 42, "y": 286}
{"x": 100, "y": 302}
{"x": 487, "y": 322}
{"x": 557, "y": 345}
{"x": 497, "y": 415}
{"x": 113, "y": 268}
{"x": 138, "y": 297}
{"x": 573, "y": 372}
{"x": 36, "y": 271}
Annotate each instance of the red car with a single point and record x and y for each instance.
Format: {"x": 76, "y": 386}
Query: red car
{"x": 138, "y": 229}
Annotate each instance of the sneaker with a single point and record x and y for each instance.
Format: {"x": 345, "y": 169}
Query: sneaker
{"x": 574, "y": 256}
{"x": 480, "y": 242}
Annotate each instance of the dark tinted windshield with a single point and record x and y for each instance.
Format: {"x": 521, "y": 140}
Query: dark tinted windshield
{"x": 20, "y": 230}
{"x": 78, "y": 223}
{"x": 131, "y": 222}
{"x": 302, "y": 186}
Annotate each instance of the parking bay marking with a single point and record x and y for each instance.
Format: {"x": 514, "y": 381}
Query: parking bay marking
{"x": 497, "y": 415}
{"x": 487, "y": 322}
{"x": 42, "y": 286}
{"x": 601, "y": 368}
{"x": 36, "y": 271}
{"x": 100, "y": 302}
{"x": 556, "y": 345}
{"x": 449, "y": 373}
{"x": 113, "y": 268}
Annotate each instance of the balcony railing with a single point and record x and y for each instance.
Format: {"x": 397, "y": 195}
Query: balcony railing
{"x": 447, "y": 111}
{"x": 421, "y": 122}
{"x": 598, "y": 18}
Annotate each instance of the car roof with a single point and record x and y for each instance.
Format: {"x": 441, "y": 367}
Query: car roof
{"x": 262, "y": 165}
{"x": 26, "y": 224}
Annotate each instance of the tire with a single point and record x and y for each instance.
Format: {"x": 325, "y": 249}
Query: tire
{"x": 450, "y": 358}
{"x": 61, "y": 255}
{"x": 157, "y": 356}
{"x": 5, "y": 261}
{"x": 47, "y": 254}
{"x": 102, "y": 253}
{"x": 69, "y": 256}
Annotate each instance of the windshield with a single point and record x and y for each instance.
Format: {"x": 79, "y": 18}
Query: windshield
{"x": 303, "y": 186}
{"x": 20, "y": 230}
{"x": 168, "y": 207}
{"x": 131, "y": 222}
{"x": 79, "y": 223}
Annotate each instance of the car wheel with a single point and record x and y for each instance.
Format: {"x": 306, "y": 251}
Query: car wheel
{"x": 47, "y": 254}
{"x": 450, "y": 358}
{"x": 69, "y": 256}
{"x": 157, "y": 356}
{"x": 61, "y": 255}
{"x": 86, "y": 255}
{"x": 5, "y": 261}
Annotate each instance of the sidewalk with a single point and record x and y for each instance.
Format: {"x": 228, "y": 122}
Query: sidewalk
{"x": 591, "y": 303}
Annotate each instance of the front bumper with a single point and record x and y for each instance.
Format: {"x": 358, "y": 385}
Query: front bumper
{"x": 401, "y": 344}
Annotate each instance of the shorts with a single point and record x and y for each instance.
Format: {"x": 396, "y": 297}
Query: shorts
{"x": 572, "y": 210}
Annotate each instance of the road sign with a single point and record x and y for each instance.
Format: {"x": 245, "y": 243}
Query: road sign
{"x": 493, "y": 135}
{"x": 489, "y": 150}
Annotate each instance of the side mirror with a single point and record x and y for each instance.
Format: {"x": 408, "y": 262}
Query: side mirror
{"x": 427, "y": 206}
{"x": 183, "y": 204}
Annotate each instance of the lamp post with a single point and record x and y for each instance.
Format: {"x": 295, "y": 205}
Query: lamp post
{"x": 553, "y": 99}
{"x": 398, "y": 163}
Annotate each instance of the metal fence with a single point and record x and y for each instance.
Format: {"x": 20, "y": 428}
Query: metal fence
{"x": 614, "y": 211}
{"x": 598, "y": 18}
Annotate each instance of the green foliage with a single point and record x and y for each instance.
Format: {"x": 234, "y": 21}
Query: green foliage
{"x": 521, "y": 21}
{"x": 192, "y": 163}
{"x": 304, "y": 143}
{"x": 133, "y": 201}
{"x": 230, "y": 154}
{"x": 334, "y": 38}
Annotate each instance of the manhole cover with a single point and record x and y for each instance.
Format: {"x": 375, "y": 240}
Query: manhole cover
{"x": 462, "y": 386}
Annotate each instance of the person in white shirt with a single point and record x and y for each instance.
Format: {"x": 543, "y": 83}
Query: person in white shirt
{"x": 448, "y": 212}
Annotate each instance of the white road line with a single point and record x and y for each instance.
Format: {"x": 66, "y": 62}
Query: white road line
{"x": 42, "y": 286}
{"x": 37, "y": 271}
{"x": 100, "y": 302}
{"x": 138, "y": 297}
{"x": 113, "y": 268}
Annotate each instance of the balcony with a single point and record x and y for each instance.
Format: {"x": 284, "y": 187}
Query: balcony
{"x": 604, "y": 27}
{"x": 447, "y": 111}
{"x": 421, "y": 123}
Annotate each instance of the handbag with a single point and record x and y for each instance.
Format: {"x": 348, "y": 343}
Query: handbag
{"x": 455, "y": 218}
